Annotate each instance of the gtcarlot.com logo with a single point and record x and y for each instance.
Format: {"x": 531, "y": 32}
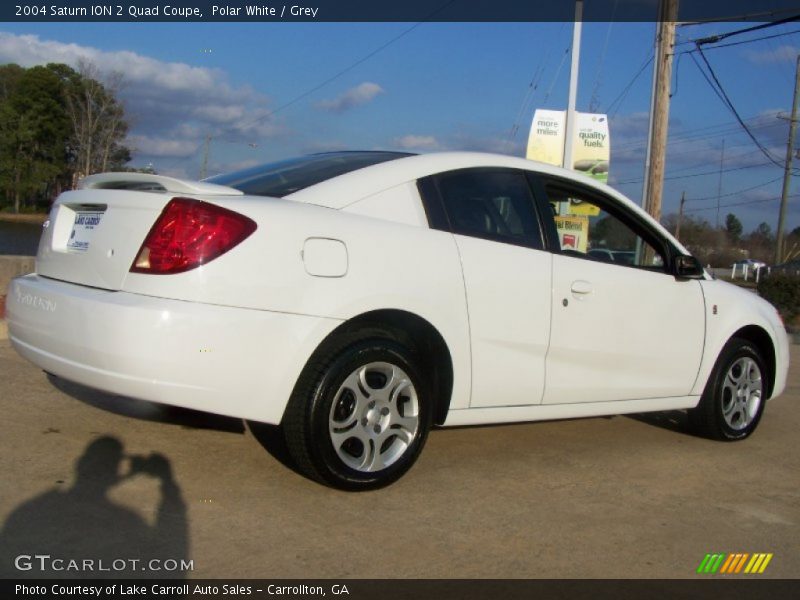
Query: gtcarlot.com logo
{"x": 731, "y": 564}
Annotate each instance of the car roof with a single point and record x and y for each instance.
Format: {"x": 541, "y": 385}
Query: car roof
{"x": 285, "y": 177}
{"x": 349, "y": 188}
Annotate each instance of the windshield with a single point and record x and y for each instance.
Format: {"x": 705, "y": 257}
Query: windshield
{"x": 288, "y": 176}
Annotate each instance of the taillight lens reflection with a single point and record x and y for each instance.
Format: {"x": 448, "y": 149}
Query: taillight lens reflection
{"x": 190, "y": 233}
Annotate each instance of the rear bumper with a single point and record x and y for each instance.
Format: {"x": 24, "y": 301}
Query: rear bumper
{"x": 231, "y": 361}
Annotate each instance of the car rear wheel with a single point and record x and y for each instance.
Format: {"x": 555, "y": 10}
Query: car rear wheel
{"x": 734, "y": 398}
{"x": 358, "y": 419}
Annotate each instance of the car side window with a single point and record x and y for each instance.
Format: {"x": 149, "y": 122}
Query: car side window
{"x": 495, "y": 204}
{"x": 587, "y": 229}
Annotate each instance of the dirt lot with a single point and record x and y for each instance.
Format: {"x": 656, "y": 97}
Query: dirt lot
{"x": 608, "y": 497}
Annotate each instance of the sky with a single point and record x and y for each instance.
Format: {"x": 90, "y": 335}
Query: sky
{"x": 267, "y": 91}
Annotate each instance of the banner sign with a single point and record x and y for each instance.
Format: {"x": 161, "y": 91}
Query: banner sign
{"x": 546, "y": 139}
{"x": 573, "y": 232}
{"x": 591, "y": 147}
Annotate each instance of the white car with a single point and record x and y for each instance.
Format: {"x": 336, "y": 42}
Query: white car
{"x": 360, "y": 298}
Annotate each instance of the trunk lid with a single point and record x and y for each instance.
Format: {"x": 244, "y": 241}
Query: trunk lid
{"x": 93, "y": 234}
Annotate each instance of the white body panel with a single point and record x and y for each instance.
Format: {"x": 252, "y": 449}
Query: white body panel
{"x": 508, "y": 297}
{"x": 210, "y": 358}
{"x": 115, "y": 242}
{"x": 153, "y": 183}
{"x": 729, "y": 309}
{"x": 233, "y": 335}
{"x": 400, "y": 204}
{"x": 623, "y": 334}
{"x": 551, "y": 412}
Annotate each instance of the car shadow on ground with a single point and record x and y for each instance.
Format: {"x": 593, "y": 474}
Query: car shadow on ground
{"x": 273, "y": 441}
{"x": 672, "y": 420}
{"x": 147, "y": 411}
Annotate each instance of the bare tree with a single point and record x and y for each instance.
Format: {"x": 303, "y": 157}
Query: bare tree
{"x": 98, "y": 120}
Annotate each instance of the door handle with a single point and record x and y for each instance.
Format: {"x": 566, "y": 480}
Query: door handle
{"x": 581, "y": 288}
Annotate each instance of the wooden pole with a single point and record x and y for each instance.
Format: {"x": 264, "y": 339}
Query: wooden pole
{"x": 787, "y": 168}
{"x": 719, "y": 183}
{"x": 680, "y": 217}
{"x": 659, "y": 119}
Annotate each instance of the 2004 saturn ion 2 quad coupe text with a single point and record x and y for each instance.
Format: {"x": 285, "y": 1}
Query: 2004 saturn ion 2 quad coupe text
{"x": 359, "y": 298}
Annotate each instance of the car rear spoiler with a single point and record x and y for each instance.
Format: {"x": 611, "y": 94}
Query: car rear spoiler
{"x": 146, "y": 182}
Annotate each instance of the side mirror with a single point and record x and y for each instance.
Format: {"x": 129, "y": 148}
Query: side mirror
{"x": 688, "y": 267}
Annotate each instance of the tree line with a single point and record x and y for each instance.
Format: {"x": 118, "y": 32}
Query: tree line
{"x": 721, "y": 247}
{"x": 57, "y": 125}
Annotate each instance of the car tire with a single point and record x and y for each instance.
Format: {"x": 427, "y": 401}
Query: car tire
{"x": 733, "y": 400}
{"x": 359, "y": 417}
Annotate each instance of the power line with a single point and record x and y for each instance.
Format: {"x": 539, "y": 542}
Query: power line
{"x": 739, "y": 43}
{"x": 733, "y": 158}
{"x": 332, "y": 78}
{"x": 558, "y": 71}
{"x": 784, "y": 66}
{"x": 760, "y": 16}
{"x": 593, "y": 103}
{"x": 623, "y": 94}
{"x": 713, "y": 39}
{"x": 325, "y": 82}
{"x": 347, "y": 69}
{"x": 746, "y": 202}
{"x": 690, "y": 137}
{"x": 715, "y": 172}
{"x": 533, "y": 86}
{"x": 741, "y": 191}
{"x": 720, "y": 91}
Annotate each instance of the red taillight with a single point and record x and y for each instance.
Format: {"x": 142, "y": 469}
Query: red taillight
{"x": 190, "y": 233}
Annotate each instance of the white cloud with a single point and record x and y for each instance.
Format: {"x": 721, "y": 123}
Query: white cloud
{"x": 784, "y": 53}
{"x": 159, "y": 146}
{"x": 356, "y": 96}
{"x": 324, "y": 146}
{"x": 417, "y": 142}
{"x": 215, "y": 168}
{"x": 171, "y": 106}
{"x": 480, "y": 142}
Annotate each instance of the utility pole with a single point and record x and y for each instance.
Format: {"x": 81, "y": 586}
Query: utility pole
{"x": 659, "y": 110}
{"x": 569, "y": 128}
{"x": 573, "y": 86}
{"x": 680, "y": 217}
{"x": 206, "y": 151}
{"x": 787, "y": 168}
{"x": 719, "y": 183}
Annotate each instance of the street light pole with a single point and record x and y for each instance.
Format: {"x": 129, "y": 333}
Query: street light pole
{"x": 569, "y": 136}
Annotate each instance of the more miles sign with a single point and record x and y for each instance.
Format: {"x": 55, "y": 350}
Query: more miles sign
{"x": 592, "y": 144}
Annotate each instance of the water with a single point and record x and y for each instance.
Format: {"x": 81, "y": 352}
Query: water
{"x": 19, "y": 238}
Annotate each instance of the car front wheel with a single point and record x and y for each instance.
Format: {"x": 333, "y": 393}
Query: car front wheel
{"x": 734, "y": 398}
{"x": 359, "y": 419}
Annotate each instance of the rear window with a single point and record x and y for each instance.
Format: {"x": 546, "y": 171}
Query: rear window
{"x": 288, "y": 176}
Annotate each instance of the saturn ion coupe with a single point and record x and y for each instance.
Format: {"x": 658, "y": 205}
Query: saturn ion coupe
{"x": 358, "y": 299}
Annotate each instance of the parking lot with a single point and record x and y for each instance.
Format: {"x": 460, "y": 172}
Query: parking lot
{"x": 607, "y": 497}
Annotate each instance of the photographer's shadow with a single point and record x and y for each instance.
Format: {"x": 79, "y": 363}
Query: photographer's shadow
{"x": 85, "y": 534}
